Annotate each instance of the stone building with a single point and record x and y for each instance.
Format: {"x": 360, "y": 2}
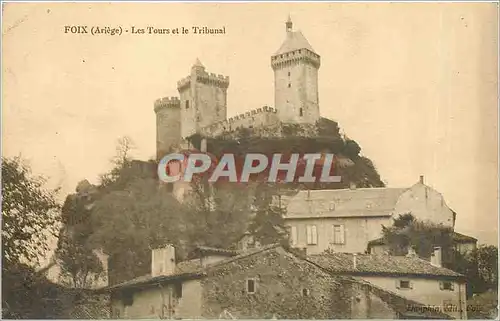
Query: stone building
{"x": 408, "y": 276}
{"x": 202, "y": 105}
{"x": 268, "y": 282}
{"x": 347, "y": 220}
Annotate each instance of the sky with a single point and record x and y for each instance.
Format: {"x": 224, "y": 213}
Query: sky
{"x": 415, "y": 84}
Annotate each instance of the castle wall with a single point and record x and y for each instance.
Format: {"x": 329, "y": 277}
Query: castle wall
{"x": 168, "y": 124}
{"x": 257, "y": 118}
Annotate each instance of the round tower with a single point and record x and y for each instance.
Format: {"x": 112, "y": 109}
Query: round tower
{"x": 296, "y": 66}
{"x": 168, "y": 124}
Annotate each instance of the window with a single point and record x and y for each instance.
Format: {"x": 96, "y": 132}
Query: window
{"x": 293, "y": 235}
{"x": 187, "y": 104}
{"x": 128, "y": 298}
{"x": 251, "y": 286}
{"x": 404, "y": 284}
{"x": 288, "y": 74}
{"x": 301, "y": 112}
{"x": 312, "y": 235}
{"x": 289, "y": 85}
{"x": 446, "y": 286}
{"x": 338, "y": 234}
{"x": 177, "y": 290}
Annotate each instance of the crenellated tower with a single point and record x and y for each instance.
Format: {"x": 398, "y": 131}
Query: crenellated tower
{"x": 168, "y": 124}
{"x": 296, "y": 66}
{"x": 203, "y": 99}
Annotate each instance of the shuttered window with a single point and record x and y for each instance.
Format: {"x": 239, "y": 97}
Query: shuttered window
{"x": 338, "y": 234}
{"x": 312, "y": 235}
{"x": 293, "y": 235}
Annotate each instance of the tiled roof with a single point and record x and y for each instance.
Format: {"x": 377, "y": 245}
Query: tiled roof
{"x": 294, "y": 40}
{"x": 366, "y": 264}
{"x": 360, "y": 202}
{"x": 457, "y": 237}
{"x": 188, "y": 269}
{"x": 214, "y": 250}
{"x": 461, "y": 238}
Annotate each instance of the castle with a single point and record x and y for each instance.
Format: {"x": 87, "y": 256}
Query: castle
{"x": 201, "y": 107}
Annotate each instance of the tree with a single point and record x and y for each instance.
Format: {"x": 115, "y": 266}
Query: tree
{"x": 30, "y": 213}
{"x": 267, "y": 225}
{"x": 208, "y": 208}
{"x": 129, "y": 222}
{"x": 121, "y": 161}
{"x": 79, "y": 265}
{"x": 422, "y": 235}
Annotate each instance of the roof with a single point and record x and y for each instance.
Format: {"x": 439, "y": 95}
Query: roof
{"x": 382, "y": 265}
{"x": 294, "y": 40}
{"x": 198, "y": 63}
{"x": 359, "y": 202}
{"x": 457, "y": 237}
{"x": 186, "y": 270}
{"x": 462, "y": 238}
{"x": 214, "y": 250}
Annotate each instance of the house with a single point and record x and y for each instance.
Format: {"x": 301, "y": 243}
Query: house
{"x": 346, "y": 220}
{"x": 265, "y": 282}
{"x": 462, "y": 243}
{"x": 407, "y": 276}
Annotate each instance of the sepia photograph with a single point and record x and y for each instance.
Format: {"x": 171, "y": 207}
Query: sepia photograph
{"x": 250, "y": 160}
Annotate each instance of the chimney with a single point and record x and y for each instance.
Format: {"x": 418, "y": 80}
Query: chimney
{"x": 411, "y": 252}
{"x": 436, "y": 257}
{"x": 421, "y": 181}
{"x": 163, "y": 261}
{"x": 355, "y": 261}
{"x": 203, "y": 145}
{"x": 352, "y": 185}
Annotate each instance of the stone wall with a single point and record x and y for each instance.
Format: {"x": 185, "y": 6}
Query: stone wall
{"x": 286, "y": 287}
{"x": 257, "y": 118}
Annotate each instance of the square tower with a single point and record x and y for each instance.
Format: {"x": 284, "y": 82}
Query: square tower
{"x": 296, "y": 67}
{"x": 203, "y": 99}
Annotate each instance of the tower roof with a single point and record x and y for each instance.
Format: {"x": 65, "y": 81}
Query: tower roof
{"x": 294, "y": 40}
{"x": 198, "y": 63}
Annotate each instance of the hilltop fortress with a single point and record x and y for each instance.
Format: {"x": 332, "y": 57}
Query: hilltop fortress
{"x": 201, "y": 107}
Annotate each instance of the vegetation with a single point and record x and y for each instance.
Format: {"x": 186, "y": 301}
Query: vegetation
{"x": 480, "y": 266}
{"x": 30, "y": 214}
{"x": 127, "y": 215}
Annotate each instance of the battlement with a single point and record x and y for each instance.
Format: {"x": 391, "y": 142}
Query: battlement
{"x": 167, "y": 102}
{"x": 265, "y": 109}
{"x": 183, "y": 83}
{"x": 296, "y": 56}
{"x": 205, "y": 78}
{"x": 213, "y": 79}
{"x": 253, "y": 117}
